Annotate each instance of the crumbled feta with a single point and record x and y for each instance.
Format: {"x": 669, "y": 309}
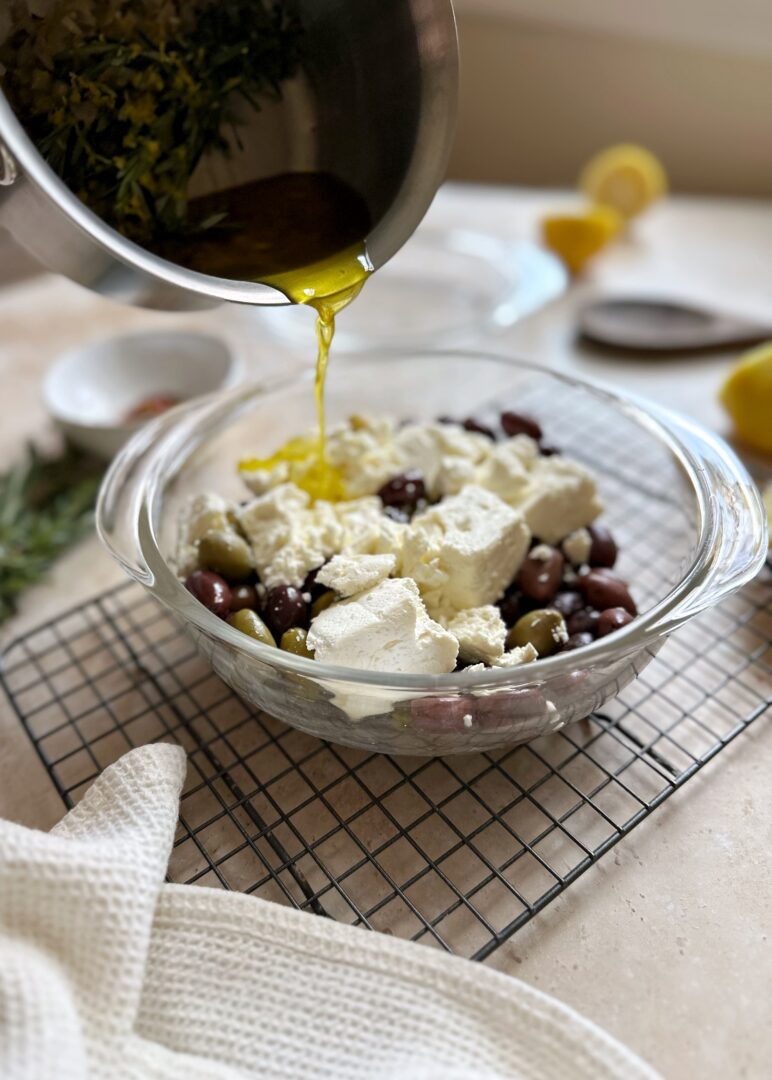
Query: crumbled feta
{"x": 364, "y": 452}
{"x": 576, "y": 547}
{"x": 200, "y": 514}
{"x": 261, "y": 480}
{"x": 480, "y": 632}
{"x": 505, "y": 472}
{"x": 367, "y": 530}
{"x": 447, "y": 455}
{"x": 541, "y": 552}
{"x": 385, "y": 628}
{"x": 289, "y": 537}
{"x": 351, "y": 574}
{"x": 525, "y": 654}
{"x": 464, "y": 551}
{"x": 559, "y": 498}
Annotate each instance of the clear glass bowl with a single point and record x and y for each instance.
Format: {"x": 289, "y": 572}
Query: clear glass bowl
{"x": 688, "y": 520}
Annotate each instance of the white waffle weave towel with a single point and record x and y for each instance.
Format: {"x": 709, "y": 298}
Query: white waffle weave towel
{"x": 107, "y": 972}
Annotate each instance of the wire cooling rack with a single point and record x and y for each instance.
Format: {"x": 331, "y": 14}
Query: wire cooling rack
{"x": 458, "y": 852}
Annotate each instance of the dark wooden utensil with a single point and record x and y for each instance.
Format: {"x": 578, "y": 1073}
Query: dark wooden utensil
{"x": 664, "y": 326}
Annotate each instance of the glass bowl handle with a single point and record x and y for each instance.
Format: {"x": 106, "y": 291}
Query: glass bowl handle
{"x": 121, "y": 514}
{"x": 735, "y": 546}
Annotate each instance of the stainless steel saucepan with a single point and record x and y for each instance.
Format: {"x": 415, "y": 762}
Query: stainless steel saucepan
{"x": 375, "y": 105}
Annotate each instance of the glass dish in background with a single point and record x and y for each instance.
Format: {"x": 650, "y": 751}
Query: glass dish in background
{"x": 688, "y": 520}
{"x": 445, "y": 287}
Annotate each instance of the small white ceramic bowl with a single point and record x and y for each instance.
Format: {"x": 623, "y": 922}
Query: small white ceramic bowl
{"x": 91, "y": 389}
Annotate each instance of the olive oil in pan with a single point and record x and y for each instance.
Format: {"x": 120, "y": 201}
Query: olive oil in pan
{"x": 302, "y": 233}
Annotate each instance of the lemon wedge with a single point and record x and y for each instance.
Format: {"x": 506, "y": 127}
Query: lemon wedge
{"x": 747, "y": 397}
{"x": 577, "y": 237}
{"x": 627, "y": 177}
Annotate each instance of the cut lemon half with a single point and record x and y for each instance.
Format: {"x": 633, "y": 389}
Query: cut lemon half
{"x": 627, "y": 177}
{"x": 577, "y": 237}
{"x": 747, "y": 397}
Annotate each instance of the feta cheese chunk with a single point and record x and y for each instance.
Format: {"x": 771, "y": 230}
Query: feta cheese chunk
{"x": 505, "y": 472}
{"x": 559, "y": 498}
{"x": 480, "y": 632}
{"x": 447, "y": 455}
{"x": 261, "y": 480}
{"x": 464, "y": 551}
{"x": 367, "y": 530}
{"x": 577, "y": 546}
{"x": 289, "y": 537}
{"x": 351, "y": 574}
{"x": 526, "y": 654}
{"x": 364, "y": 452}
{"x": 385, "y": 628}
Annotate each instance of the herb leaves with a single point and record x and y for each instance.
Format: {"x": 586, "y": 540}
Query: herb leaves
{"x": 123, "y": 99}
{"x": 46, "y": 505}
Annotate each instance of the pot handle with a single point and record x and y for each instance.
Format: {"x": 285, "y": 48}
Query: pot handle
{"x": 733, "y": 515}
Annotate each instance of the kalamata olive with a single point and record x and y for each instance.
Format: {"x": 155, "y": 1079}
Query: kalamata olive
{"x": 602, "y": 590}
{"x": 520, "y": 424}
{"x": 567, "y": 602}
{"x": 285, "y": 608}
{"x": 226, "y": 553}
{"x": 250, "y": 623}
{"x": 613, "y": 619}
{"x": 404, "y": 490}
{"x": 547, "y": 449}
{"x": 512, "y": 605}
{"x": 295, "y": 641}
{"x": 540, "y": 573}
{"x": 244, "y": 596}
{"x": 603, "y": 551}
{"x": 310, "y": 588}
{"x": 441, "y": 714}
{"x": 210, "y": 590}
{"x": 322, "y": 602}
{"x": 544, "y": 628}
{"x": 584, "y": 621}
{"x": 470, "y": 424}
{"x": 577, "y": 641}
{"x": 525, "y": 706}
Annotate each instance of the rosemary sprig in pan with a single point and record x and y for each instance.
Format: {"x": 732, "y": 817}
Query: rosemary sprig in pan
{"x": 46, "y": 505}
{"x": 123, "y": 98}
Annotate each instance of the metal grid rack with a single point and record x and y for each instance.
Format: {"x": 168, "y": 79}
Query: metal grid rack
{"x": 458, "y": 852}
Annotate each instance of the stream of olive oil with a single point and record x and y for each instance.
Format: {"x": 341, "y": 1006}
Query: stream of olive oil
{"x": 302, "y": 233}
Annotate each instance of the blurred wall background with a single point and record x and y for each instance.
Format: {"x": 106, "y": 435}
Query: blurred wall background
{"x": 545, "y": 83}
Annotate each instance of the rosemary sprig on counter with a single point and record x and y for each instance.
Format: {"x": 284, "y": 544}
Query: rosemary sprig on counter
{"x": 46, "y": 504}
{"x": 124, "y": 98}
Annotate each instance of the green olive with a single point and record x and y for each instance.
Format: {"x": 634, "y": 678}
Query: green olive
{"x": 249, "y": 622}
{"x": 295, "y": 641}
{"x": 226, "y": 553}
{"x": 545, "y": 629}
{"x": 322, "y": 603}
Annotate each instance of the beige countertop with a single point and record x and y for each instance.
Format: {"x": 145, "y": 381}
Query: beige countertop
{"x": 666, "y": 941}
